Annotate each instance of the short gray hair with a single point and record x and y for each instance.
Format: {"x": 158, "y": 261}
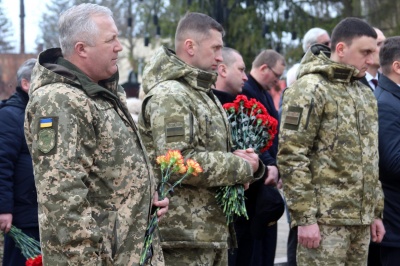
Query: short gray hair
{"x": 311, "y": 37}
{"x": 25, "y": 71}
{"x": 76, "y": 24}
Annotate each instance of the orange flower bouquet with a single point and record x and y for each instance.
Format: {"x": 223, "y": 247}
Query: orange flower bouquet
{"x": 171, "y": 163}
{"x": 251, "y": 127}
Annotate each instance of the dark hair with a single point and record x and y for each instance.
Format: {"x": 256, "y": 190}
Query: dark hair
{"x": 269, "y": 57}
{"x": 390, "y": 52}
{"x": 350, "y": 28}
{"x": 197, "y": 26}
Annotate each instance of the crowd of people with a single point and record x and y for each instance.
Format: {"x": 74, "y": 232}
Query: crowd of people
{"x": 77, "y": 169}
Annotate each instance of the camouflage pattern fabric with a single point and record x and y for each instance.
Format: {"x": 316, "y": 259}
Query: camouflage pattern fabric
{"x": 340, "y": 246}
{"x": 196, "y": 257}
{"x": 328, "y": 146}
{"x": 180, "y": 112}
{"x": 93, "y": 177}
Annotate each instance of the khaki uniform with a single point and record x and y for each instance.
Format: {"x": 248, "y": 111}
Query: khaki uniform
{"x": 328, "y": 146}
{"x": 93, "y": 178}
{"x": 180, "y": 112}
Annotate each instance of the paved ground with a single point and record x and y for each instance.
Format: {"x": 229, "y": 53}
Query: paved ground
{"x": 283, "y": 231}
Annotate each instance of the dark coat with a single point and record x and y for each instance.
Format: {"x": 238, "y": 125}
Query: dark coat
{"x": 17, "y": 185}
{"x": 388, "y": 96}
{"x": 253, "y": 90}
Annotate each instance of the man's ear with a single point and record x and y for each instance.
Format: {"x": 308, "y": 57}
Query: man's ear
{"x": 396, "y": 67}
{"x": 222, "y": 70}
{"x": 263, "y": 68}
{"x": 340, "y": 49}
{"x": 80, "y": 49}
{"x": 189, "y": 45}
{"x": 25, "y": 84}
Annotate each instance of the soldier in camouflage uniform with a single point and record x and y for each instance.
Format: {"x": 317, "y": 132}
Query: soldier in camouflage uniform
{"x": 181, "y": 112}
{"x": 328, "y": 151}
{"x": 94, "y": 181}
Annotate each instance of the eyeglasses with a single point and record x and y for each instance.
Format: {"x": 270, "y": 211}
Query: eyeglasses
{"x": 276, "y": 74}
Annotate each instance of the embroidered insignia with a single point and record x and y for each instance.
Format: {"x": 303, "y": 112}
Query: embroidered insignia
{"x": 46, "y": 122}
{"x": 47, "y": 140}
{"x": 293, "y": 117}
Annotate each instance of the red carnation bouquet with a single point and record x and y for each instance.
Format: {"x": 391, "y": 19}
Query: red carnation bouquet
{"x": 30, "y": 247}
{"x": 170, "y": 164}
{"x": 251, "y": 127}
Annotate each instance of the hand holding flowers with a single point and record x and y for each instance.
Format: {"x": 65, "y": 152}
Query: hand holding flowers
{"x": 251, "y": 127}
{"x": 171, "y": 163}
{"x": 30, "y": 247}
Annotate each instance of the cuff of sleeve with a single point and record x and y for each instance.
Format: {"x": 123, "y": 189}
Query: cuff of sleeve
{"x": 260, "y": 171}
{"x": 305, "y": 220}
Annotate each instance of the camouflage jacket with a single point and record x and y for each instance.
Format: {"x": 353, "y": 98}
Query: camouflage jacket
{"x": 180, "y": 112}
{"x": 328, "y": 145}
{"x": 92, "y": 174}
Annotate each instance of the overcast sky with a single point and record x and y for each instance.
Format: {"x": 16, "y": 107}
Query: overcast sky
{"x": 33, "y": 14}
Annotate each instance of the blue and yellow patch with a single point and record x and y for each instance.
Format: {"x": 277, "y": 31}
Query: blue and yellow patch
{"x": 47, "y": 135}
{"x": 46, "y": 122}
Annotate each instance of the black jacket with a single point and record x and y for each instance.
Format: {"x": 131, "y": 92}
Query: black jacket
{"x": 388, "y": 96}
{"x": 253, "y": 90}
{"x": 17, "y": 186}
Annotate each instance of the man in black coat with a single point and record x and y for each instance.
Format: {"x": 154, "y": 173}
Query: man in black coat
{"x": 388, "y": 96}
{"x": 231, "y": 76}
{"x": 18, "y": 201}
{"x": 372, "y": 74}
{"x": 259, "y": 249}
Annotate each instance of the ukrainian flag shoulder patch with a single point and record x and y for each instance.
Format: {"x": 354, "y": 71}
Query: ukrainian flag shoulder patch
{"x": 46, "y": 122}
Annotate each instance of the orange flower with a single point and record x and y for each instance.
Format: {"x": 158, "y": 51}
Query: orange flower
{"x": 194, "y": 167}
{"x": 174, "y": 156}
{"x": 162, "y": 161}
{"x": 180, "y": 168}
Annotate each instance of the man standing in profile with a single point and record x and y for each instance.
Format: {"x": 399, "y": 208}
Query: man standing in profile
{"x": 180, "y": 112}
{"x": 231, "y": 76}
{"x": 328, "y": 150}
{"x": 94, "y": 181}
{"x": 388, "y": 96}
{"x": 259, "y": 248}
{"x": 372, "y": 74}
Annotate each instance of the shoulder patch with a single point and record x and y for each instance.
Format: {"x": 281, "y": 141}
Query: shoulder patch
{"x": 47, "y": 135}
{"x": 293, "y": 117}
{"x": 174, "y": 129}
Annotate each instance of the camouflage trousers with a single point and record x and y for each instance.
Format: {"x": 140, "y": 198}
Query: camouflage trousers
{"x": 340, "y": 245}
{"x": 195, "y": 257}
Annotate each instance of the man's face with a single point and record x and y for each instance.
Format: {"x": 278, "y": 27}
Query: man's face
{"x": 102, "y": 58}
{"x": 273, "y": 74}
{"x": 235, "y": 75}
{"x": 207, "y": 52}
{"x": 381, "y": 38}
{"x": 359, "y": 53}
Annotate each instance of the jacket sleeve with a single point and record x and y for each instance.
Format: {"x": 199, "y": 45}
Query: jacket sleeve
{"x": 61, "y": 172}
{"x": 301, "y": 114}
{"x": 10, "y": 147}
{"x": 220, "y": 168}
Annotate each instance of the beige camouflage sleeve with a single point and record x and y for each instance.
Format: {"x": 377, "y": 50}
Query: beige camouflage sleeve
{"x": 299, "y": 127}
{"x": 221, "y": 168}
{"x": 61, "y": 138}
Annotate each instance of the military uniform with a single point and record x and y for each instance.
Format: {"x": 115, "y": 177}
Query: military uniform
{"x": 93, "y": 177}
{"x": 180, "y": 112}
{"x": 328, "y": 146}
